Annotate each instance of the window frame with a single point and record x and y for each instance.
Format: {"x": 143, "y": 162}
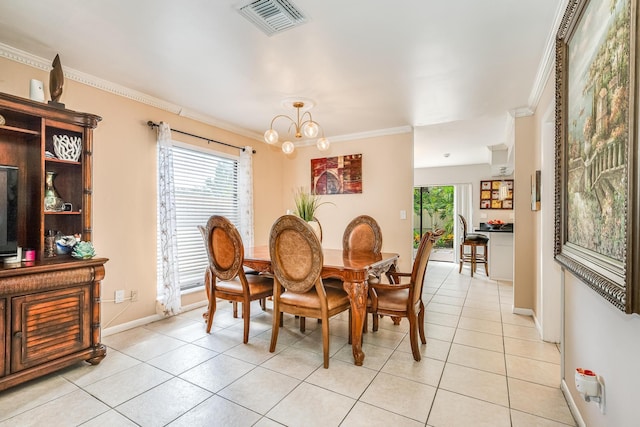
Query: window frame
{"x": 193, "y": 284}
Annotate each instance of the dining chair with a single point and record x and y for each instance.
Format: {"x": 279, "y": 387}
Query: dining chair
{"x": 398, "y": 299}
{"x": 362, "y": 234}
{"x": 297, "y": 260}
{"x": 225, "y": 277}
{"x": 473, "y": 241}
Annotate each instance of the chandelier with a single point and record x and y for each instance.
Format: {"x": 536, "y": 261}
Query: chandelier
{"x": 304, "y": 125}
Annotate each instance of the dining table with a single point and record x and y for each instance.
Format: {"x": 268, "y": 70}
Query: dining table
{"x": 353, "y": 268}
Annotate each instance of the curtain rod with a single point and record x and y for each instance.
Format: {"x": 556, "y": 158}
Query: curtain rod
{"x": 209, "y": 140}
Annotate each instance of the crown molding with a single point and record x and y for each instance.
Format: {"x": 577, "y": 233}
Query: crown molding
{"x": 523, "y": 112}
{"x": 22, "y": 57}
{"x": 34, "y": 61}
{"x": 359, "y": 135}
{"x": 547, "y": 64}
{"x": 372, "y": 133}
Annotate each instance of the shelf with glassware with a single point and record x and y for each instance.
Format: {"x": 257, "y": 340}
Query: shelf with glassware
{"x": 64, "y": 188}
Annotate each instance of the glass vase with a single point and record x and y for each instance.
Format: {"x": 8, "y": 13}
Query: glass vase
{"x": 52, "y": 200}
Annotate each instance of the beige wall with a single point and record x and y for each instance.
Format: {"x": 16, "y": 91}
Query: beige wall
{"x": 124, "y": 184}
{"x": 387, "y": 188}
{"x": 547, "y": 307}
{"x": 595, "y": 335}
{"x": 524, "y": 244}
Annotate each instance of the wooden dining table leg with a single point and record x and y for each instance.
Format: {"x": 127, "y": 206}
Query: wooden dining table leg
{"x": 357, "y": 291}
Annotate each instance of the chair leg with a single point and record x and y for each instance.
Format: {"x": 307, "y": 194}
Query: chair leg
{"x": 246, "y": 314}
{"x": 325, "y": 342}
{"x": 277, "y": 318}
{"x": 263, "y": 304}
{"x": 413, "y": 336}
{"x": 461, "y": 257}
{"x": 303, "y": 324}
{"x": 473, "y": 260}
{"x": 423, "y": 338}
{"x": 486, "y": 259}
{"x": 235, "y": 309}
{"x": 350, "y": 323}
{"x": 212, "y": 310}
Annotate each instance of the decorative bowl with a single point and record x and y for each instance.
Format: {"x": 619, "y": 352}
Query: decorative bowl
{"x": 67, "y": 147}
{"x": 495, "y": 224}
{"x": 83, "y": 250}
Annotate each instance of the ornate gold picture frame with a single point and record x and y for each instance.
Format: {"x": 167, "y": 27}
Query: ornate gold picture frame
{"x": 597, "y": 235}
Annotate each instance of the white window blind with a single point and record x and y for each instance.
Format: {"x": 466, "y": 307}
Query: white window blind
{"x": 205, "y": 184}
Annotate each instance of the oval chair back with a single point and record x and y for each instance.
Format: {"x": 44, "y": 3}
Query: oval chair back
{"x": 297, "y": 261}
{"x": 296, "y": 254}
{"x": 224, "y": 248}
{"x": 225, "y": 277}
{"x": 362, "y": 234}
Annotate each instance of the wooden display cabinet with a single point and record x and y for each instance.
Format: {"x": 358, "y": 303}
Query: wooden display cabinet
{"x": 49, "y": 308}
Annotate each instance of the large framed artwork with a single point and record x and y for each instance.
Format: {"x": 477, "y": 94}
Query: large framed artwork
{"x": 597, "y": 236}
{"x": 337, "y": 175}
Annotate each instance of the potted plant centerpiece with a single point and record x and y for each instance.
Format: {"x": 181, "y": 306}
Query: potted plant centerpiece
{"x": 306, "y": 205}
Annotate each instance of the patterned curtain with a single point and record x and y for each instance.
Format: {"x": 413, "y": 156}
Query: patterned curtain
{"x": 245, "y": 195}
{"x": 169, "y": 302}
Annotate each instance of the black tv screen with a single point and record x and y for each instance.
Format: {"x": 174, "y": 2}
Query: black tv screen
{"x": 8, "y": 210}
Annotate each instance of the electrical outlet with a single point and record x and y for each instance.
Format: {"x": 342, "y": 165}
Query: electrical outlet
{"x": 134, "y": 296}
{"x": 119, "y": 296}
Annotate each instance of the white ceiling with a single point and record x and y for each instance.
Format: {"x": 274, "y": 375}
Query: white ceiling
{"x": 452, "y": 70}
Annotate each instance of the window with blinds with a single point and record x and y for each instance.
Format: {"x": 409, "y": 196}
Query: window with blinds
{"x": 205, "y": 184}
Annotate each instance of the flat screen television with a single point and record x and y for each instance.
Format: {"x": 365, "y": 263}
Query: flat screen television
{"x": 8, "y": 210}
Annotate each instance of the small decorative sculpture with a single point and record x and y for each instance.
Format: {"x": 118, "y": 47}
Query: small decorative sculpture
{"x": 83, "y": 250}
{"x": 56, "y": 80}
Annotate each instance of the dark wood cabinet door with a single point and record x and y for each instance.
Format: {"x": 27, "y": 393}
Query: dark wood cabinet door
{"x": 3, "y": 331}
{"x": 48, "y": 325}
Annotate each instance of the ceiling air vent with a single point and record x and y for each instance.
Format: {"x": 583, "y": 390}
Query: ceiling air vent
{"x": 273, "y": 16}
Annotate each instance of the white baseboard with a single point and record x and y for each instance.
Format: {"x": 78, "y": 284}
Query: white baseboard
{"x": 572, "y": 404}
{"x": 130, "y": 325}
{"x": 522, "y": 311}
{"x": 538, "y": 325}
{"x": 146, "y": 320}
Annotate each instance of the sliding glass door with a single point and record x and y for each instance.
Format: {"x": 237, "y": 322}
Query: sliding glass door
{"x": 434, "y": 209}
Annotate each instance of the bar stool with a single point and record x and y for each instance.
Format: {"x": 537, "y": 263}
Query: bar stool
{"x": 473, "y": 241}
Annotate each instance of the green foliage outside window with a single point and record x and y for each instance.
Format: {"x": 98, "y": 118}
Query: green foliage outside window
{"x": 434, "y": 205}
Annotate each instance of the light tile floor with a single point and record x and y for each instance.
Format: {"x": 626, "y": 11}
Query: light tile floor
{"x": 481, "y": 366}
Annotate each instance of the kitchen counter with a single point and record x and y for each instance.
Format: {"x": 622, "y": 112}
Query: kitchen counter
{"x": 500, "y": 250}
{"x": 486, "y": 228}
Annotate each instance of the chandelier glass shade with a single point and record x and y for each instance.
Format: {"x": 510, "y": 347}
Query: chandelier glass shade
{"x": 304, "y": 125}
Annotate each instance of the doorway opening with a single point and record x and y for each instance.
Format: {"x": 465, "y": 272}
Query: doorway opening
{"x": 433, "y": 208}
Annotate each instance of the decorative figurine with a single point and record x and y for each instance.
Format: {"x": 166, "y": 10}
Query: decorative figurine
{"x": 56, "y": 80}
